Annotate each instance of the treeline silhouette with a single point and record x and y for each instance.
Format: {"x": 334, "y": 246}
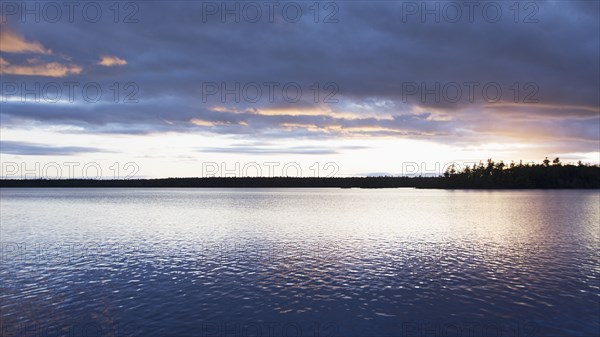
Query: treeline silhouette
{"x": 489, "y": 175}
{"x": 548, "y": 174}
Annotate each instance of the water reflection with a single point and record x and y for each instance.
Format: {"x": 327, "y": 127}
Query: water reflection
{"x": 300, "y": 262}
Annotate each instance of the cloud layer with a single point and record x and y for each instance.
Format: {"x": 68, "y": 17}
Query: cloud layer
{"x": 379, "y": 71}
{"x": 35, "y": 149}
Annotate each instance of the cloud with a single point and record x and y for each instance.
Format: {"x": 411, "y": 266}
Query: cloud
{"x": 271, "y": 150}
{"x": 200, "y": 122}
{"x": 111, "y": 61}
{"x": 13, "y": 43}
{"x": 370, "y": 53}
{"x": 36, "y": 67}
{"x": 34, "y": 149}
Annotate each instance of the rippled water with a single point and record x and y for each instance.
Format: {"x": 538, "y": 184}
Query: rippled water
{"x": 299, "y": 262}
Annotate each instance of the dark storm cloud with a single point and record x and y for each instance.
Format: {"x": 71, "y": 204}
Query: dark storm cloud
{"x": 371, "y": 54}
{"x": 34, "y": 149}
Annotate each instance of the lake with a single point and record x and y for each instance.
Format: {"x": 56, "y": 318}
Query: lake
{"x": 299, "y": 262}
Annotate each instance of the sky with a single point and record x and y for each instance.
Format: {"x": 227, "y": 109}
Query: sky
{"x": 298, "y": 88}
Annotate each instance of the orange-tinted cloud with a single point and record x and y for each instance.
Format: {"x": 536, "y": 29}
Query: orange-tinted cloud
{"x": 200, "y": 122}
{"x": 111, "y": 61}
{"x": 13, "y": 43}
{"x": 36, "y": 67}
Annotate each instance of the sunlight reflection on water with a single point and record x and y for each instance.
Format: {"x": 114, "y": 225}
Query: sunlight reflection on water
{"x": 326, "y": 262}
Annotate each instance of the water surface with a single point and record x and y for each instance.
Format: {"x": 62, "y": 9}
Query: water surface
{"x": 299, "y": 262}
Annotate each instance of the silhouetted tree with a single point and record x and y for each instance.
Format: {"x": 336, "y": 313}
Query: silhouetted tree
{"x": 556, "y": 162}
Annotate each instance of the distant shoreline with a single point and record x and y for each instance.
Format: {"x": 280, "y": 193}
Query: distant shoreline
{"x": 491, "y": 175}
{"x": 289, "y": 182}
{"x": 228, "y": 182}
